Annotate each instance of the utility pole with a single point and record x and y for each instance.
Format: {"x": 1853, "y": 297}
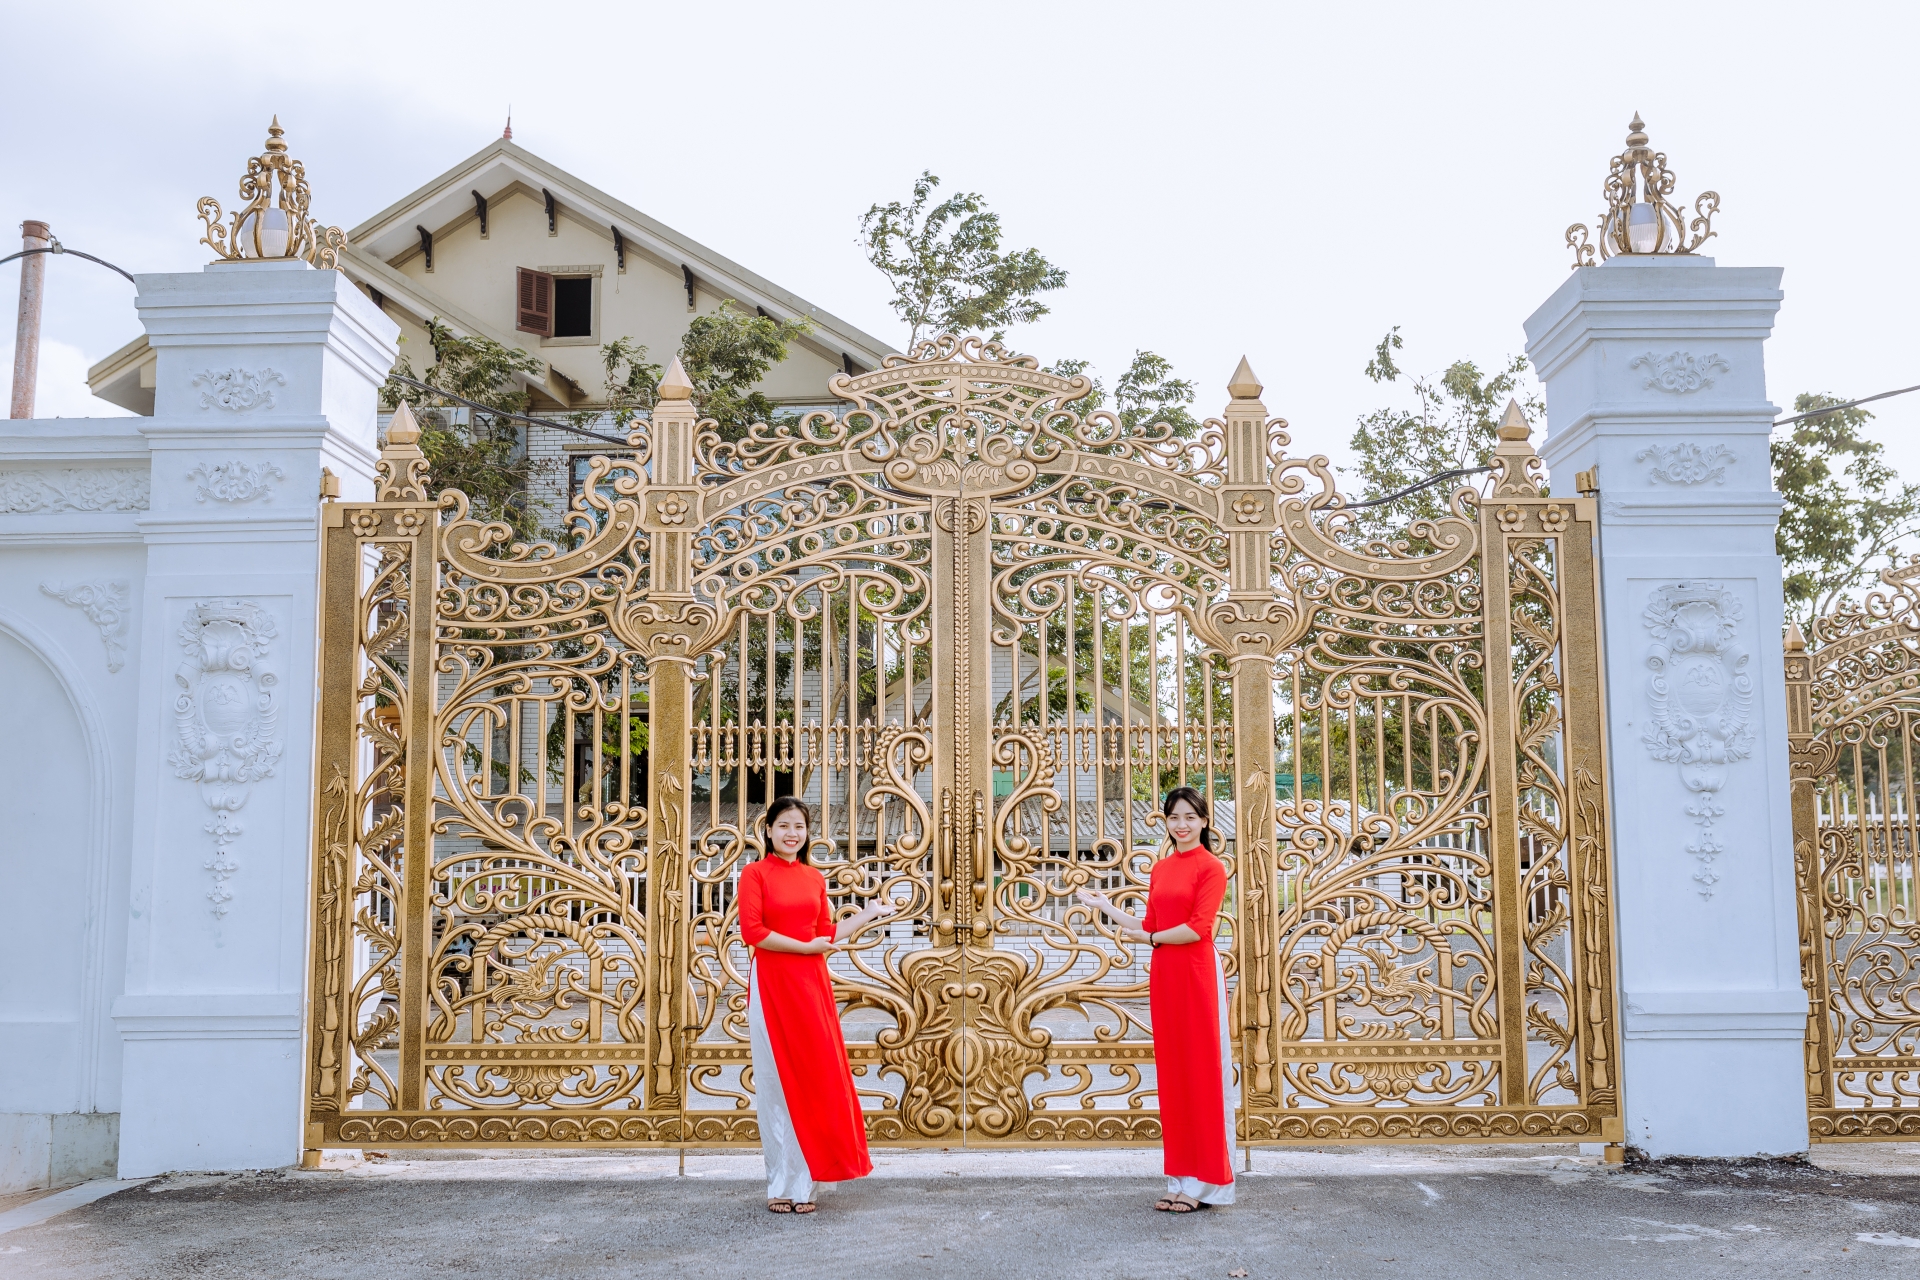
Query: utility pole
{"x": 26, "y": 343}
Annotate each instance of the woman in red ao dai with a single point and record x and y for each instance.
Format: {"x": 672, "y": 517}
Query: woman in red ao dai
{"x": 810, "y": 1124}
{"x": 1193, "y": 1070}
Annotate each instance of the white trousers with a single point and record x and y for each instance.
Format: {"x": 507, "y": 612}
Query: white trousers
{"x": 787, "y": 1175}
{"x": 1207, "y": 1192}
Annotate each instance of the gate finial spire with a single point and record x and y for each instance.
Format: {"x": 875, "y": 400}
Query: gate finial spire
{"x": 1244, "y": 385}
{"x": 401, "y": 473}
{"x": 1516, "y": 465}
{"x": 674, "y": 384}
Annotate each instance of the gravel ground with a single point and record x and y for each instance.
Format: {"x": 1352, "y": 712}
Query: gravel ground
{"x": 1357, "y": 1212}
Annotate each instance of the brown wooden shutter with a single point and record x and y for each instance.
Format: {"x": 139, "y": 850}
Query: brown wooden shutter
{"x": 535, "y": 302}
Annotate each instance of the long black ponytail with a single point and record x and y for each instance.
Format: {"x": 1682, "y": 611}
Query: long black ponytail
{"x": 774, "y": 810}
{"x": 1199, "y": 802}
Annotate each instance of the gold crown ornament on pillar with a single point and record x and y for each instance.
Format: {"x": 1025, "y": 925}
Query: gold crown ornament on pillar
{"x": 1640, "y": 219}
{"x": 273, "y": 224}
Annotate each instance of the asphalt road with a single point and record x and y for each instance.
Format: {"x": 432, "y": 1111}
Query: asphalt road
{"x": 1346, "y": 1214}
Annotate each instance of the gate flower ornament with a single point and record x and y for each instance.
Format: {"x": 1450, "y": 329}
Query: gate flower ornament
{"x": 1702, "y": 697}
{"x": 227, "y": 719}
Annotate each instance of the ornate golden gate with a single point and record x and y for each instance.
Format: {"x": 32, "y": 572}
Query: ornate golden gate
{"x": 981, "y": 632}
{"x": 1853, "y": 710}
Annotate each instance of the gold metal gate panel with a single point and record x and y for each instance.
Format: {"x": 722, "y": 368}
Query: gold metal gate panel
{"x": 1853, "y": 710}
{"x": 981, "y": 633}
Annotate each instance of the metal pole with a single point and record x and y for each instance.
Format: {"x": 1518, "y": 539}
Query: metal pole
{"x": 26, "y": 343}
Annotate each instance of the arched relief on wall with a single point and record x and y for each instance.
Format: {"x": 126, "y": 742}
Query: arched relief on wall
{"x": 98, "y": 978}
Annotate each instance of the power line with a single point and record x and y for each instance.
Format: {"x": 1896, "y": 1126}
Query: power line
{"x": 1417, "y": 486}
{"x": 57, "y": 247}
{"x": 1835, "y": 408}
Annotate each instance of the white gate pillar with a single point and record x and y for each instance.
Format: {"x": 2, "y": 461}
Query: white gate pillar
{"x": 266, "y": 372}
{"x": 1654, "y": 375}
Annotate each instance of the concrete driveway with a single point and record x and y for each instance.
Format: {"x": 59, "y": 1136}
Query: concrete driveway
{"x": 1388, "y": 1212}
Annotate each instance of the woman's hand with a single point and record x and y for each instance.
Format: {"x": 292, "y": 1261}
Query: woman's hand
{"x": 1101, "y": 902}
{"x": 878, "y": 909}
{"x": 821, "y": 946}
{"x": 1095, "y": 899}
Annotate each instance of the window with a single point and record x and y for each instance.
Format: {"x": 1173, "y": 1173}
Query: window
{"x": 534, "y": 310}
{"x": 572, "y": 306}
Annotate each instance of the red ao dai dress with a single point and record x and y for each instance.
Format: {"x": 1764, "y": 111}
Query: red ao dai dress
{"x": 1188, "y": 996}
{"x": 810, "y": 1125}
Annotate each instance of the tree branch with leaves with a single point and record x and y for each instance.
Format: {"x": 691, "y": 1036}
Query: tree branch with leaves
{"x": 1453, "y": 423}
{"x": 948, "y": 269}
{"x": 1847, "y": 513}
{"x": 482, "y": 454}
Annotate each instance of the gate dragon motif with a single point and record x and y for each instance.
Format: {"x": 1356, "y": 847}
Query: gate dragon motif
{"x": 980, "y": 629}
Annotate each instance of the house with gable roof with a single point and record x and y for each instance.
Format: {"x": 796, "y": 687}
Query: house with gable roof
{"x": 507, "y": 246}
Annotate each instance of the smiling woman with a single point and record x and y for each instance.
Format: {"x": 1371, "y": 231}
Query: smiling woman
{"x": 810, "y": 1124}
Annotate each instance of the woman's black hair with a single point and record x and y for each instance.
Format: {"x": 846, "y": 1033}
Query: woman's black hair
{"x": 1199, "y": 803}
{"x": 780, "y": 806}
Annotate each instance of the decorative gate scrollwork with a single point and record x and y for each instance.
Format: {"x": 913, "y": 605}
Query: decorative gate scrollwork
{"x": 1853, "y": 720}
{"x": 981, "y": 632}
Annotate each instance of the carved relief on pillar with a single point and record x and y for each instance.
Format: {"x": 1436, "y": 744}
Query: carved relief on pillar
{"x": 235, "y": 481}
{"x": 1702, "y": 697}
{"x": 1679, "y": 372}
{"x": 226, "y": 716}
{"x": 237, "y": 390}
{"x": 1687, "y": 463}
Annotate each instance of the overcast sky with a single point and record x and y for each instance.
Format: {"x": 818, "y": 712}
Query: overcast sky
{"x": 1285, "y": 181}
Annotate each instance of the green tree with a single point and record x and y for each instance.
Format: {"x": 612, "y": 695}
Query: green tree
{"x": 482, "y": 453}
{"x": 479, "y": 452}
{"x": 947, "y": 268}
{"x": 1847, "y": 512}
{"x": 726, "y": 353}
{"x": 1147, "y": 393}
{"x": 632, "y": 385}
{"x": 1452, "y": 424}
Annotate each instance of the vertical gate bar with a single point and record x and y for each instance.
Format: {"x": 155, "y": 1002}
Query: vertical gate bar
{"x": 1903, "y": 882}
{"x": 948, "y": 805}
{"x": 1126, "y": 736}
{"x": 677, "y": 632}
{"x": 1590, "y": 830}
{"x": 853, "y": 720}
{"x": 742, "y": 719}
{"x": 1254, "y": 631}
{"x": 1178, "y": 693}
{"x": 1097, "y": 696}
{"x": 1807, "y": 764}
{"x": 974, "y": 526}
{"x": 416, "y": 924}
{"x": 1071, "y": 654}
{"x": 1503, "y": 803}
{"x": 336, "y": 780}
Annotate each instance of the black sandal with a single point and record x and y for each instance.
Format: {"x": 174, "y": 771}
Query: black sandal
{"x": 1182, "y": 1206}
{"x": 779, "y": 1206}
{"x": 1164, "y": 1204}
{"x": 805, "y": 1206}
